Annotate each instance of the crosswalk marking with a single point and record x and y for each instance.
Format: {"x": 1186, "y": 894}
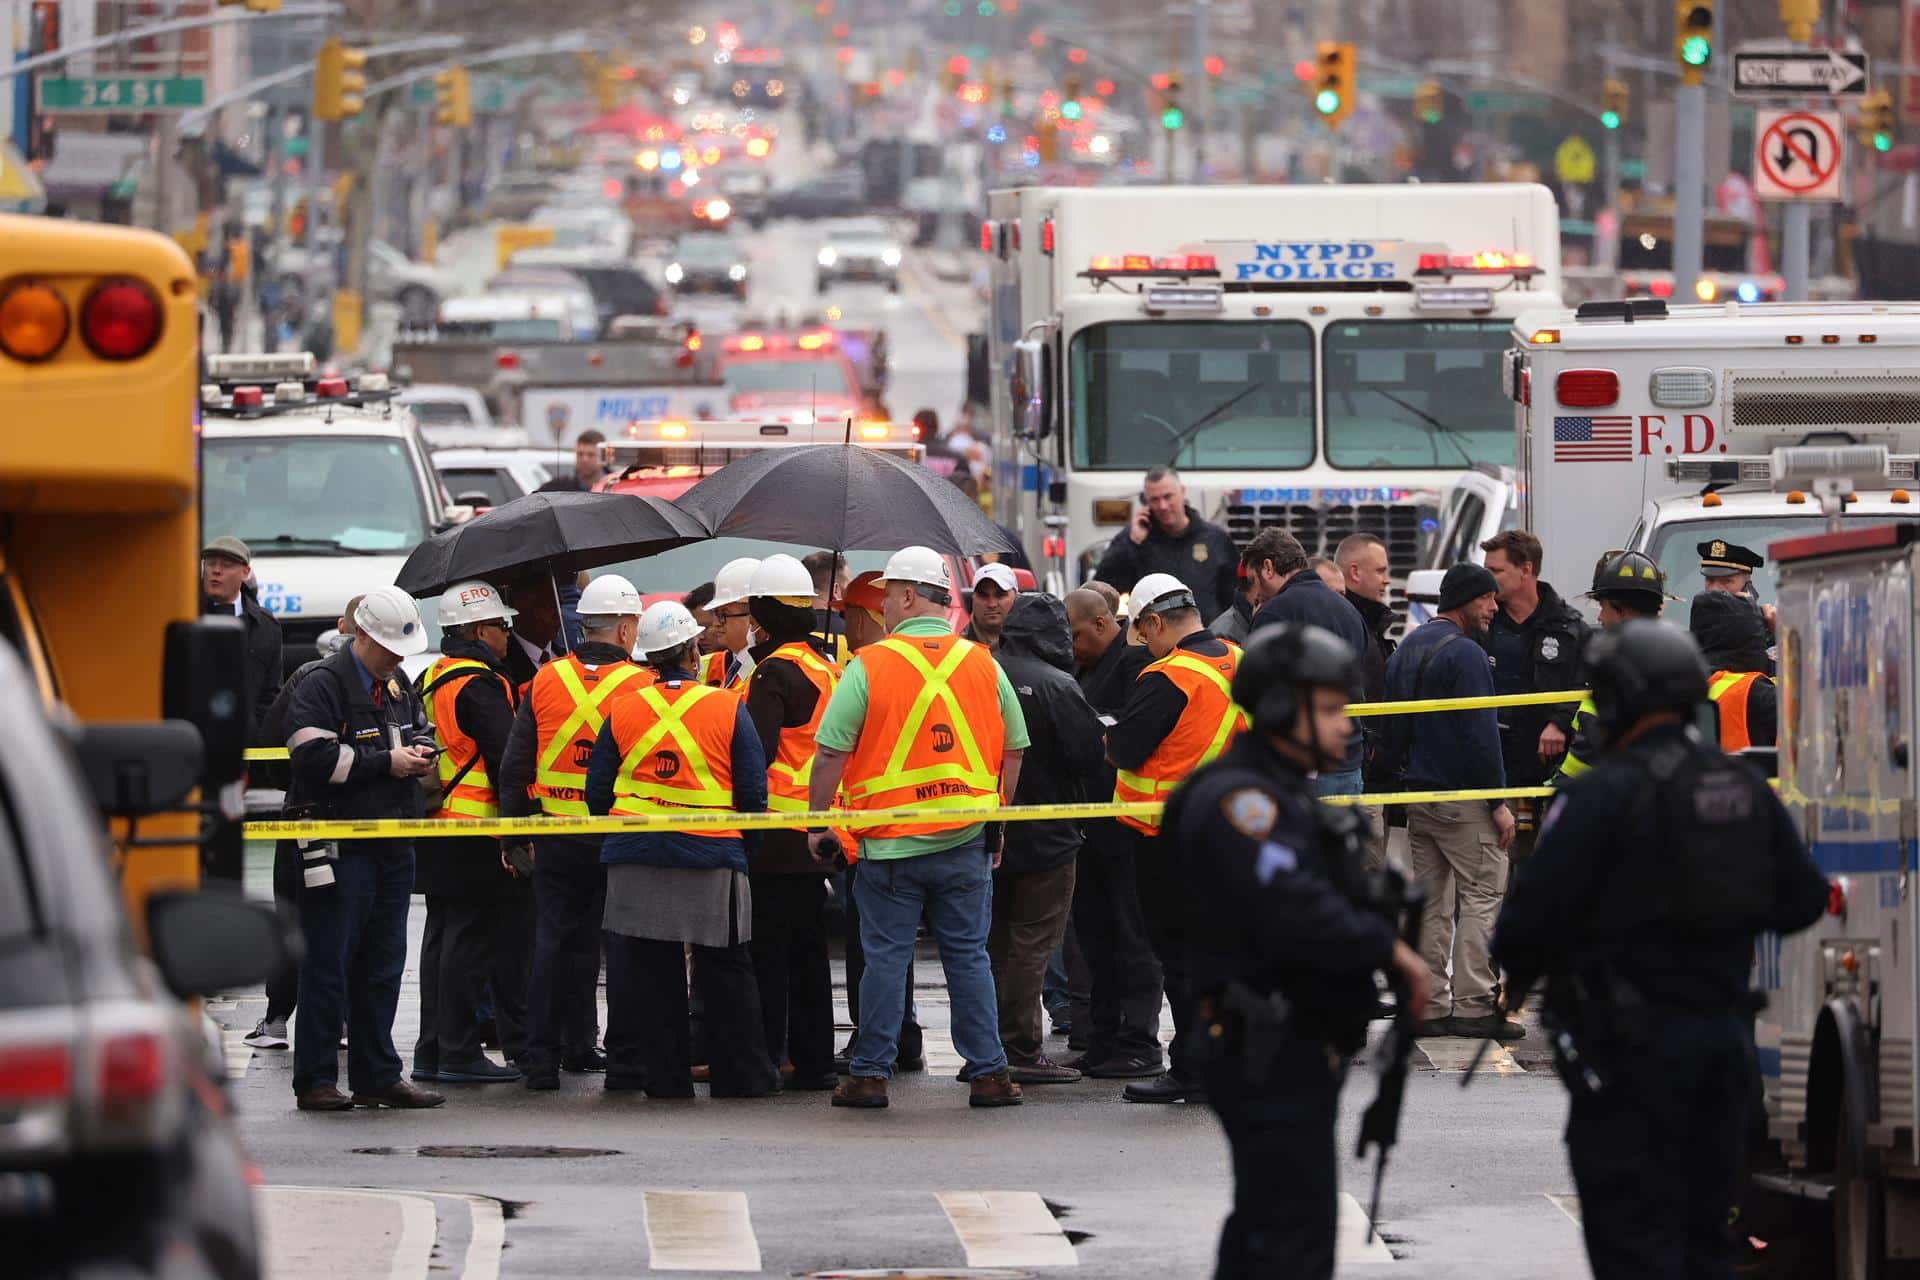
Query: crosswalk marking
{"x": 1451, "y": 1053}
{"x": 316, "y": 1233}
{"x": 488, "y": 1240}
{"x": 1350, "y": 1236}
{"x": 700, "y": 1231}
{"x": 1007, "y": 1229}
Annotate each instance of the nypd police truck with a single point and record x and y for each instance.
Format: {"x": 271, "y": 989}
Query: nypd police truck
{"x": 1318, "y": 359}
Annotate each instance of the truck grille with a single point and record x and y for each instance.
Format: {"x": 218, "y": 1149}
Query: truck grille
{"x": 1320, "y": 531}
{"x": 299, "y": 641}
{"x": 1831, "y": 401}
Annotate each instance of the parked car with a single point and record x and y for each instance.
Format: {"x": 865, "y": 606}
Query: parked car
{"x": 619, "y": 288}
{"x": 118, "y": 1149}
{"x": 486, "y": 478}
{"x": 441, "y": 407}
{"x": 841, "y": 193}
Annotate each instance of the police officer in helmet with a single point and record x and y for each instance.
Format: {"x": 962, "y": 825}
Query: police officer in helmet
{"x": 1653, "y": 874}
{"x": 1283, "y": 947}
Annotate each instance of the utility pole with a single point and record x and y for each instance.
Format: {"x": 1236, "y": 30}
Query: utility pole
{"x": 1693, "y": 47}
{"x": 1796, "y": 220}
{"x": 1201, "y": 80}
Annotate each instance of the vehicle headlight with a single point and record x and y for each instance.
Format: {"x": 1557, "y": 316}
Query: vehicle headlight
{"x": 803, "y": 418}
{"x": 738, "y": 271}
{"x": 890, "y": 256}
{"x": 828, "y": 257}
{"x": 673, "y": 273}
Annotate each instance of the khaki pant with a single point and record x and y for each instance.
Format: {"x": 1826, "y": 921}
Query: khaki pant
{"x": 1374, "y": 843}
{"x": 1456, "y": 855}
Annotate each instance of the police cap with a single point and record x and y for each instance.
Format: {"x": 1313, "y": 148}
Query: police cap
{"x": 1641, "y": 667}
{"x": 1722, "y": 559}
{"x": 1280, "y": 662}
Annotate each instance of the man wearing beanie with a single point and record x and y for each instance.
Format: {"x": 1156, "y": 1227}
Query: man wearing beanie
{"x": 1459, "y": 848}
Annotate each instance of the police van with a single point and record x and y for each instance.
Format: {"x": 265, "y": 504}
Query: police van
{"x": 1836, "y": 1041}
{"x": 325, "y": 479}
{"x": 1322, "y": 360}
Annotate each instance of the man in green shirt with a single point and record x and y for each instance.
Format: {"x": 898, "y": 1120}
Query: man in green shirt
{"x": 945, "y": 874}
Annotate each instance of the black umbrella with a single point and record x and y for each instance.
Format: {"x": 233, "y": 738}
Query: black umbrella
{"x": 843, "y": 497}
{"x": 556, "y": 532}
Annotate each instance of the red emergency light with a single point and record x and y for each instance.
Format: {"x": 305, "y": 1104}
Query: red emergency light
{"x": 986, "y": 236}
{"x": 1046, "y": 237}
{"x": 1490, "y": 262}
{"x": 1107, "y": 264}
{"x": 331, "y": 389}
{"x": 249, "y": 398}
{"x": 1587, "y": 388}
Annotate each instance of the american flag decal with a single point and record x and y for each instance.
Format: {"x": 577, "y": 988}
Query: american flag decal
{"x": 1593, "y": 439}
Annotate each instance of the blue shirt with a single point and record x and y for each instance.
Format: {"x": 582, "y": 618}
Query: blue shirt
{"x": 366, "y": 677}
{"x": 673, "y": 848}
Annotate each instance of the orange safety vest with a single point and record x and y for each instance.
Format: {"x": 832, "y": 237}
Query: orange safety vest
{"x": 676, "y": 751}
{"x": 790, "y": 772}
{"x": 1203, "y": 731}
{"x": 1730, "y": 691}
{"x": 713, "y": 672}
{"x": 473, "y": 796}
{"x": 569, "y": 708}
{"x": 933, "y": 736}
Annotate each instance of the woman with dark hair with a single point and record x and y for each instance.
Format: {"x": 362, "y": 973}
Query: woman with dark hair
{"x": 792, "y": 679}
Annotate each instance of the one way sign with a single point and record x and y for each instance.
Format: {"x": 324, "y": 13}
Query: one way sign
{"x": 1830, "y": 73}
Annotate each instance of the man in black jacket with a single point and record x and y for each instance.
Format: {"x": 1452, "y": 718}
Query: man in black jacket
{"x": 1362, "y": 558}
{"x": 1124, "y": 1011}
{"x": 1168, "y": 536}
{"x": 479, "y": 912}
{"x": 1535, "y": 642}
{"x": 1033, "y": 887}
{"x": 358, "y": 746}
{"x": 224, "y": 564}
{"x": 1286, "y": 589}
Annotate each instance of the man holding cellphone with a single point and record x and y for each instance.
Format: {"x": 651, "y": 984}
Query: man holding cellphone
{"x": 1168, "y": 536}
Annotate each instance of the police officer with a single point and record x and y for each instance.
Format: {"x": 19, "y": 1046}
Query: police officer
{"x": 359, "y": 744}
{"x": 1653, "y": 874}
{"x": 1283, "y": 947}
{"x": 1732, "y": 630}
{"x": 545, "y": 771}
{"x": 1626, "y": 585}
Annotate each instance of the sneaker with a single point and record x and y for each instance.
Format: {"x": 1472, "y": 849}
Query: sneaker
{"x": 1126, "y": 1067}
{"x": 867, "y": 1093}
{"x": 1042, "y": 1070}
{"x": 267, "y": 1035}
{"x": 1492, "y": 1026}
{"x": 997, "y": 1090}
{"x": 477, "y": 1071}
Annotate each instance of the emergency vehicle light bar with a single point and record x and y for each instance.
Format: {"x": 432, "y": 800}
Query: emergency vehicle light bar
{"x": 293, "y": 366}
{"x": 1761, "y": 467}
{"x": 1182, "y": 266}
{"x": 1491, "y": 263}
{"x": 761, "y": 433}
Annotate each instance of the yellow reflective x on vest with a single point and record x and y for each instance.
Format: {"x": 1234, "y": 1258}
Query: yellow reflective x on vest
{"x": 588, "y": 715}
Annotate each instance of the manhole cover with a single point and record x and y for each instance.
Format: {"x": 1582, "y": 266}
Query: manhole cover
{"x": 921, "y": 1273}
{"x": 489, "y": 1153}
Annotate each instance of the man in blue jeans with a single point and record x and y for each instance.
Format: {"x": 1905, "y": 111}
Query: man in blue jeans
{"x": 922, "y": 720}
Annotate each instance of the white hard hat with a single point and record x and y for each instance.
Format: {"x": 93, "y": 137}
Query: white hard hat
{"x": 731, "y": 583}
{"x": 471, "y": 601}
{"x": 666, "y": 625}
{"x": 782, "y": 576}
{"x": 917, "y": 564}
{"x": 388, "y": 617}
{"x": 1159, "y": 591}
{"x": 609, "y": 596}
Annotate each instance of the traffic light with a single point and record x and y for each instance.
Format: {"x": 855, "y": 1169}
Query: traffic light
{"x": 607, "y": 87}
{"x": 1428, "y": 104}
{"x": 452, "y": 99}
{"x": 256, "y": 6}
{"x": 1693, "y": 37}
{"x": 1049, "y": 142}
{"x": 1171, "y": 117}
{"x": 1875, "y": 126}
{"x": 339, "y": 80}
{"x": 1614, "y": 98}
{"x": 1333, "y": 81}
{"x": 1072, "y": 84}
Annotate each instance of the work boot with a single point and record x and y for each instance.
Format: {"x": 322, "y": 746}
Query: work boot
{"x": 1166, "y": 1087}
{"x": 401, "y": 1095}
{"x": 323, "y": 1097}
{"x": 1132, "y": 1066}
{"x": 868, "y": 1093}
{"x": 996, "y": 1090}
{"x": 1042, "y": 1070}
{"x": 594, "y": 1059}
{"x": 476, "y": 1071}
{"x": 1492, "y": 1026}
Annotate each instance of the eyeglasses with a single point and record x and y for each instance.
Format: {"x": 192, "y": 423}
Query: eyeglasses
{"x": 729, "y": 617}
{"x": 504, "y": 624}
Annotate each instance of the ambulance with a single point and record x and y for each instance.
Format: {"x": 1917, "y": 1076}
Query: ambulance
{"x": 1323, "y": 360}
{"x": 1652, "y": 427}
{"x": 1835, "y": 1042}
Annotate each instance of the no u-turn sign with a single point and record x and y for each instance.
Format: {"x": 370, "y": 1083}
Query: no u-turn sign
{"x": 1797, "y": 155}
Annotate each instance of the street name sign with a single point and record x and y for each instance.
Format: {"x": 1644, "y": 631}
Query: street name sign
{"x": 123, "y": 93}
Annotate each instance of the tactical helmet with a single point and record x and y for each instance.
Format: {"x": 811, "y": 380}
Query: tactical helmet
{"x": 1281, "y": 663}
{"x": 1640, "y": 667}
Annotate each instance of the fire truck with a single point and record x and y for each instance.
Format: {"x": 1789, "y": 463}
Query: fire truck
{"x": 1319, "y": 359}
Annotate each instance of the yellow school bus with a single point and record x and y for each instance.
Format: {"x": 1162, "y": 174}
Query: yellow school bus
{"x": 99, "y": 488}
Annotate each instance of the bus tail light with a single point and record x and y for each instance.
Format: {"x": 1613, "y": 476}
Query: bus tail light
{"x": 1587, "y": 388}
{"x": 33, "y": 321}
{"x": 120, "y": 320}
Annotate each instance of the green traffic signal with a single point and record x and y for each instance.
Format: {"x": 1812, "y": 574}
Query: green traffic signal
{"x": 1610, "y": 119}
{"x": 1326, "y": 102}
{"x": 1070, "y": 109}
{"x": 1882, "y": 140}
{"x": 1430, "y": 117}
{"x": 1696, "y": 51}
{"x": 1172, "y": 118}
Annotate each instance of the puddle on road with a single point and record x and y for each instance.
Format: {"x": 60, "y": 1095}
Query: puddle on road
{"x": 489, "y": 1153}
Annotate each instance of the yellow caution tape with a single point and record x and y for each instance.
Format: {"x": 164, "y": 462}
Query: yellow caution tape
{"x": 1356, "y": 709}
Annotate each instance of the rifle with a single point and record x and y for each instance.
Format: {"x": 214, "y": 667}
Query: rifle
{"x": 1380, "y": 1126}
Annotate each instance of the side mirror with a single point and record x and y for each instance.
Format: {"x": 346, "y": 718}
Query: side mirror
{"x": 1423, "y": 595}
{"x": 138, "y": 769}
{"x": 463, "y": 510}
{"x": 215, "y": 941}
{"x": 204, "y": 683}
{"x": 1027, "y": 389}
{"x": 478, "y": 499}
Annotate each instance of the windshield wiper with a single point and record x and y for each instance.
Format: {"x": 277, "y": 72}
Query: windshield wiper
{"x": 330, "y": 546}
{"x": 1450, "y": 434}
{"x": 1186, "y": 434}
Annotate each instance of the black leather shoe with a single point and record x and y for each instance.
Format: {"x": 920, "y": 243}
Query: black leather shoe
{"x": 401, "y": 1095}
{"x": 1166, "y": 1087}
{"x": 477, "y": 1071}
{"x": 543, "y": 1081}
{"x": 591, "y": 1060}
